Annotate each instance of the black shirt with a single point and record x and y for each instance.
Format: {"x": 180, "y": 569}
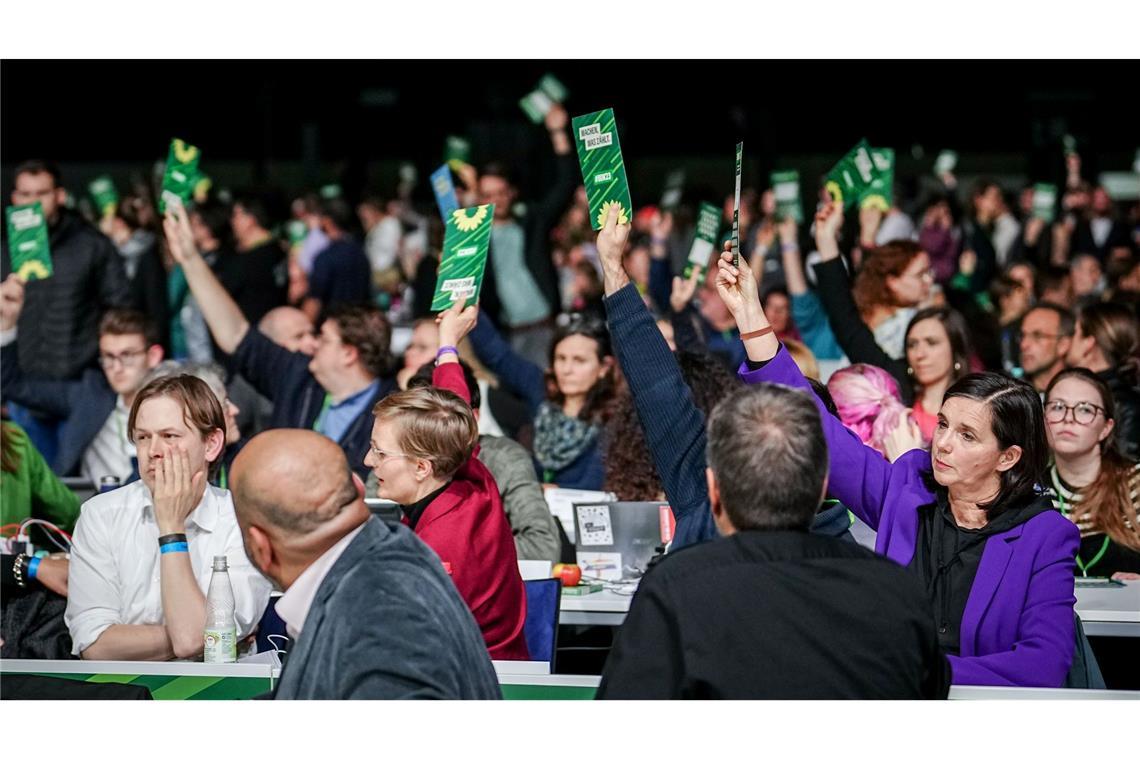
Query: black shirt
{"x": 258, "y": 279}
{"x": 341, "y": 275}
{"x": 415, "y": 510}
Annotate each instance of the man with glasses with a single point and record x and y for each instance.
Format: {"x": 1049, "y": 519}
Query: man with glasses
{"x": 1046, "y": 336}
{"x": 94, "y": 439}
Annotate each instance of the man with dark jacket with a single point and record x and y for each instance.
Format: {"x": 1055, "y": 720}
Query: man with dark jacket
{"x": 772, "y": 611}
{"x": 332, "y": 391}
{"x": 371, "y": 610}
{"x": 257, "y": 275}
{"x": 341, "y": 273}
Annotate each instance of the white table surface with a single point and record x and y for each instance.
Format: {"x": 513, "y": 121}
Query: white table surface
{"x": 600, "y": 608}
{"x": 1110, "y": 611}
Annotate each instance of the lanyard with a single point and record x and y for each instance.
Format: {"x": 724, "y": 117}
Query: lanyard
{"x": 320, "y": 421}
{"x": 1065, "y": 511}
{"x": 222, "y": 478}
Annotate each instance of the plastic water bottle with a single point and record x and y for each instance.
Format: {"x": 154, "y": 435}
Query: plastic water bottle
{"x": 221, "y": 629}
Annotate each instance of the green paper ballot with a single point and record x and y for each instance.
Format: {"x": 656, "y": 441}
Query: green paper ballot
{"x": 736, "y": 207}
{"x": 880, "y": 194}
{"x": 946, "y": 162}
{"x": 674, "y": 186}
{"x": 104, "y": 194}
{"x": 28, "y": 242}
{"x": 538, "y": 103}
{"x": 466, "y": 240}
{"x": 704, "y": 244}
{"x": 854, "y": 172}
{"x": 786, "y": 188}
{"x": 456, "y": 151}
{"x": 330, "y": 191}
{"x": 1044, "y": 202}
{"x": 181, "y": 174}
{"x": 603, "y": 171}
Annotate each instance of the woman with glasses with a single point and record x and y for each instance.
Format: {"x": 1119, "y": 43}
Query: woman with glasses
{"x": 1094, "y": 485}
{"x": 424, "y": 453}
{"x": 570, "y": 402}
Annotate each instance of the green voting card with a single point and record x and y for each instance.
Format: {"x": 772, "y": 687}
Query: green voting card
{"x": 603, "y": 171}
{"x": 538, "y": 103}
{"x": 674, "y": 187}
{"x": 704, "y": 244}
{"x": 181, "y": 174}
{"x": 456, "y": 151}
{"x": 854, "y": 172}
{"x": 28, "y": 242}
{"x": 466, "y": 241}
{"x": 1044, "y": 202}
{"x": 786, "y": 188}
{"x": 104, "y": 194}
{"x": 880, "y": 193}
{"x": 946, "y": 162}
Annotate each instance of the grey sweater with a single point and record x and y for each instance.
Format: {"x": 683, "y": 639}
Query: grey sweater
{"x": 387, "y": 623}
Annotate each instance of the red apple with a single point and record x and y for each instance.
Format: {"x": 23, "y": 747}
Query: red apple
{"x": 569, "y": 574}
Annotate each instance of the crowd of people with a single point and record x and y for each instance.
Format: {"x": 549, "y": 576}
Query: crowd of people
{"x": 955, "y": 372}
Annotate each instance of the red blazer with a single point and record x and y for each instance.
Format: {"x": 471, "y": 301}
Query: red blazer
{"x": 467, "y": 527}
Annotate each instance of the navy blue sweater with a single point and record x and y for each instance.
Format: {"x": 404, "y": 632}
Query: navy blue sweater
{"x": 674, "y": 427}
{"x": 526, "y": 380}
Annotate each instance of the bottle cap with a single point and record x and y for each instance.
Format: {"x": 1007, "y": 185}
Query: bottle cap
{"x": 220, "y": 563}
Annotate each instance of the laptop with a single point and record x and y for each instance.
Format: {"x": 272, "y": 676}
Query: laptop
{"x": 615, "y": 540}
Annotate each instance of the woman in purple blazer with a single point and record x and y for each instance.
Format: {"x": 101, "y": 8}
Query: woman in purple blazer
{"x": 996, "y": 559}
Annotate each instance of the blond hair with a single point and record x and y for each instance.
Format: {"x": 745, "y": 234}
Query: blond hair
{"x": 432, "y": 424}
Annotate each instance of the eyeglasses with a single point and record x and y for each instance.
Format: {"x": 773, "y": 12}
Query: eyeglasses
{"x": 381, "y": 456}
{"x": 127, "y": 359}
{"x": 1083, "y": 412}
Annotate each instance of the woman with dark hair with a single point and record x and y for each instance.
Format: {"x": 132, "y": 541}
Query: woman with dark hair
{"x": 1106, "y": 341}
{"x": 1094, "y": 485}
{"x": 570, "y": 402}
{"x": 937, "y": 355}
{"x": 967, "y": 518}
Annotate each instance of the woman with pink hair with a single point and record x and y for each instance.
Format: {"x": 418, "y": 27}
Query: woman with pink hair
{"x": 870, "y": 405}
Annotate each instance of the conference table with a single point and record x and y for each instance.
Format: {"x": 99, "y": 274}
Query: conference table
{"x": 1105, "y": 610}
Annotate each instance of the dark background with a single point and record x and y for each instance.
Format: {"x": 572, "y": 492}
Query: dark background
{"x": 300, "y": 124}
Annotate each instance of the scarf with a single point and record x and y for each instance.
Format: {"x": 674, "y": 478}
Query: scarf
{"x": 558, "y": 439}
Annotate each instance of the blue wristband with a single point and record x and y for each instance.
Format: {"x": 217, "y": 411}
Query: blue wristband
{"x": 181, "y": 546}
{"x": 33, "y": 568}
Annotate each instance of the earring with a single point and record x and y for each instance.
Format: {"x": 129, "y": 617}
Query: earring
{"x": 957, "y": 366}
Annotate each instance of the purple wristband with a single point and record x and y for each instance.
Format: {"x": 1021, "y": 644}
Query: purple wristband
{"x": 446, "y": 350}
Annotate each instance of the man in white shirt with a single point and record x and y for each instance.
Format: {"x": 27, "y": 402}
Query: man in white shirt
{"x": 141, "y": 557}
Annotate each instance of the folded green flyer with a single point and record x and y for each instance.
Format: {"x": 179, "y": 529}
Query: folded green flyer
{"x": 538, "y": 103}
{"x": 456, "y": 150}
{"x": 603, "y": 170}
{"x": 854, "y": 172}
{"x": 786, "y": 188}
{"x": 1044, "y": 202}
{"x": 28, "y": 242}
{"x": 466, "y": 240}
{"x": 104, "y": 194}
{"x": 704, "y": 244}
{"x": 181, "y": 174}
{"x": 880, "y": 194}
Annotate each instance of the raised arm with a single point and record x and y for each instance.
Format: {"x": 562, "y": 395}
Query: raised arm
{"x": 674, "y": 427}
{"x": 516, "y": 373}
{"x": 223, "y": 316}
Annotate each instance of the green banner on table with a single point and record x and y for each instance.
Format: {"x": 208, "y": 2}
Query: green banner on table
{"x": 852, "y": 175}
{"x": 466, "y": 241}
{"x": 786, "y": 189}
{"x": 104, "y": 194}
{"x": 880, "y": 193}
{"x": 181, "y": 175}
{"x": 1044, "y": 202}
{"x": 28, "y": 242}
{"x": 603, "y": 170}
{"x": 180, "y": 688}
{"x": 704, "y": 244}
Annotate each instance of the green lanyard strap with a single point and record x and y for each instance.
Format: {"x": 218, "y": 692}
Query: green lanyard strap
{"x": 320, "y": 421}
{"x": 1065, "y": 511}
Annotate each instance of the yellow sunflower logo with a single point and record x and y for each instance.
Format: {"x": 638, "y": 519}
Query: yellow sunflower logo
{"x": 875, "y": 201}
{"x": 183, "y": 152}
{"x": 835, "y": 191}
{"x": 623, "y": 215}
{"x": 467, "y": 223}
{"x": 33, "y": 270}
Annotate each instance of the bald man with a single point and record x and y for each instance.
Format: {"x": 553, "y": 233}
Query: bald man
{"x": 289, "y": 328}
{"x": 369, "y": 607}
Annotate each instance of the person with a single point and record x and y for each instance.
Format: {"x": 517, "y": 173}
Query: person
{"x": 1088, "y": 278}
{"x": 987, "y": 205}
{"x": 290, "y": 328}
{"x": 1046, "y": 337}
{"x": 672, "y": 415}
{"x": 995, "y": 558}
{"x": 532, "y": 524}
{"x": 1094, "y": 485}
{"x": 330, "y": 392}
{"x": 938, "y": 355}
{"x": 341, "y": 273}
{"x": 1012, "y": 300}
{"x": 808, "y": 314}
{"x": 420, "y": 351}
{"x": 520, "y": 288}
{"x": 737, "y": 618}
{"x": 1100, "y": 232}
{"x": 569, "y": 404}
{"x": 210, "y": 225}
{"x": 1106, "y": 340}
{"x": 1054, "y": 284}
{"x": 369, "y": 607}
{"x": 383, "y": 235}
{"x": 132, "y": 231}
{"x": 142, "y": 555}
{"x": 423, "y": 451}
{"x": 94, "y": 442}
{"x": 256, "y": 275}
{"x": 868, "y": 404}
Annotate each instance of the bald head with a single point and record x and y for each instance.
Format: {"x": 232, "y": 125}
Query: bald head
{"x": 290, "y": 328}
{"x": 293, "y": 482}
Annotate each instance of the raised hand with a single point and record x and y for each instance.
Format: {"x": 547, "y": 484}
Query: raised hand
{"x": 683, "y": 290}
{"x": 455, "y": 322}
{"x": 11, "y": 301}
{"x": 611, "y": 247}
{"x": 179, "y": 237}
{"x": 556, "y": 118}
{"x": 828, "y": 220}
{"x": 788, "y": 231}
{"x": 737, "y": 288}
{"x": 905, "y": 437}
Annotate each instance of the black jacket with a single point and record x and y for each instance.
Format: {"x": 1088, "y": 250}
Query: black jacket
{"x": 1126, "y": 399}
{"x": 59, "y": 326}
{"x": 257, "y": 279}
{"x": 777, "y": 615}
